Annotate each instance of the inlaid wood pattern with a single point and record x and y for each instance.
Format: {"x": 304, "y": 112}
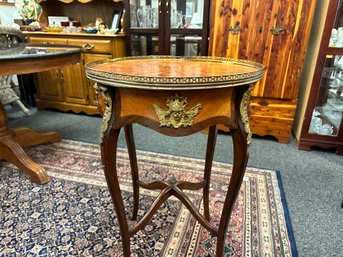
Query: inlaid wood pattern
{"x": 170, "y": 72}
{"x": 174, "y": 68}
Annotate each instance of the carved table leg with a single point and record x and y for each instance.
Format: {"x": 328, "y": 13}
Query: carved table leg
{"x": 134, "y": 168}
{"x": 27, "y": 136}
{"x": 109, "y": 157}
{"x": 239, "y": 165}
{"x": 11, "y": 142}
{"x": 211, "y": 143}
{"x": 11, "y": 150}
{"x": 241, "y": 138}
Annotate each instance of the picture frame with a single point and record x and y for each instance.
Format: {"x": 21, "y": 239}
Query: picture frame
{"x": 116, "y": 24}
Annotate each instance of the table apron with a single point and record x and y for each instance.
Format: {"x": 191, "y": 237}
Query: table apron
{"x": 215, "y": 106}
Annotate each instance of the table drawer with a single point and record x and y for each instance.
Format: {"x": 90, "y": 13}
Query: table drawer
{"x": 91, "y": 45}
{"x": 46, "y": 40}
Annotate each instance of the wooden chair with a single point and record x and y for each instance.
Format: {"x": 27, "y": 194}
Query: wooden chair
{"x": 10, "y": 37}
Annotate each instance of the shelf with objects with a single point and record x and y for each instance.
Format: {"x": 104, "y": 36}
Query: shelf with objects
{"x": 175, "y": 27}
{"x": 96, "y": 26}
{"x": 320, "y": 113}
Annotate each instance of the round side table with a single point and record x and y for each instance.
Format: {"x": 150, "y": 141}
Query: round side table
{"x": 175, "y": 96}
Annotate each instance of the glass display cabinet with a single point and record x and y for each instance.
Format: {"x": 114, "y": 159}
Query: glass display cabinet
{"x": 167, "y": 27}
{"x": 324, "y": 111}
{"x": 326, "y": 115}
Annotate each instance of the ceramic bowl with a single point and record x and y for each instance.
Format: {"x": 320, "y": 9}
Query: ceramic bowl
{"x": 91, "y": 31}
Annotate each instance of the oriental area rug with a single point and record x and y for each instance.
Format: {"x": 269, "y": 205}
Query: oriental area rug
{"x": 73, "y": 214}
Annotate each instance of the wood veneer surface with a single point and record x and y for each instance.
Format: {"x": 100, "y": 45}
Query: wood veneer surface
{"x": 174, "y": 68}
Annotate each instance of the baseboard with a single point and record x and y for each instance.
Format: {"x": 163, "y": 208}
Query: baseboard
{"x": 64, "y": 107}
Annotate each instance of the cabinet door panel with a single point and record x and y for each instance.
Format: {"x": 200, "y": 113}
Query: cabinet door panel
{"x": 90, "y": 84}
{"x": 151, "y": 25}
{"x": 181, "y": 45}
{"x": 298, "y": 49}
{"x": 274, "y": 33}
{"x": 145, "y": 45}
{"x": 74, "y": 89}
{"x": 287, "y": 49}
{"x": 255, "y": 39}
{"x": 50, "y": 85}
{"x": 221, "y": 17}
{"x": 144, "y": 14}
{"x": 255, "y": 23}
{"x": 240, "y": 29}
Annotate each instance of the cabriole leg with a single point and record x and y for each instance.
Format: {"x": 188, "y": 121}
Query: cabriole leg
{"x": 134, "y": 168}
{"x": 211, "y": 143}
{"x": 109, "y": 158}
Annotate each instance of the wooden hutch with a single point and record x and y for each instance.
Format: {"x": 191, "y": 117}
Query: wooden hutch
{"x": 64, "y": 89}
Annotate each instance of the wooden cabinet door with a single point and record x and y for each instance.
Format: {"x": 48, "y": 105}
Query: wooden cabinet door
{"x": 175, "y": 28}
{"x": 50, "y": 85}
{"x": 274, "y": 33}
{"x": 74, "y": 87}
{"x": 90, "y": 84}
{"x": 286, "y": 51}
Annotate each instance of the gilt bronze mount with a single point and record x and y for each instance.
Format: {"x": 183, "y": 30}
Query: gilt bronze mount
{"x": 177, "y": 116}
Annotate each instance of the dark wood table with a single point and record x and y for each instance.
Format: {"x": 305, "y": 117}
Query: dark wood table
{"x": 176, "y": 97}
{"x": 22, "y": 59}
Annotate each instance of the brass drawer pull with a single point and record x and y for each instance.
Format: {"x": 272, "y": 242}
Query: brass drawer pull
{"x": 88, "y": 46}
{"x": 235, "y": 30}
{"x": 277, "y": 29}
{"x": 62, "y": 76}
{"x": 48, "y": 43}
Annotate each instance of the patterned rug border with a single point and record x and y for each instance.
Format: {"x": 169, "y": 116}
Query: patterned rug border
{"x": 287, "y": 215}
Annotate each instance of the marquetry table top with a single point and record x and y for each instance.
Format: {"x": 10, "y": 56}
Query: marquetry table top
{"x": 170, "y": 72}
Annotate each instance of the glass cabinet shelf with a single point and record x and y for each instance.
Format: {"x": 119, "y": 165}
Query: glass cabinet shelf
{"x": 327, "y": 113}
{"x": 144, "y": 14}
{"x": 176, "y": 27}
{"x": 336, "y": 38}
